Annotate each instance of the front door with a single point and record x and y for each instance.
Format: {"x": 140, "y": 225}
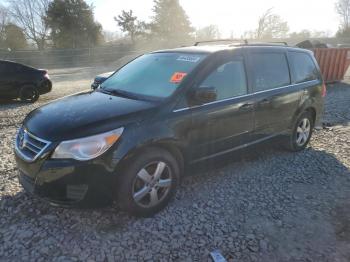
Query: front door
{"x": 228, "y": 121}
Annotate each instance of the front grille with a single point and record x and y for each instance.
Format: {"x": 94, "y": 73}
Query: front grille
{"x": 28, "y": 146}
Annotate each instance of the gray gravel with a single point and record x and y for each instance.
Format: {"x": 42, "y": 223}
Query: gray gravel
{"x": 266, "y": 205}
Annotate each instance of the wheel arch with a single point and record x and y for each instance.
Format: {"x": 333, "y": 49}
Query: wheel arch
{"x": 171, "y": 146}
{"x": 25, "y": 85}
{"x": 312, "y": 110}
{"x": 301, "y": 110}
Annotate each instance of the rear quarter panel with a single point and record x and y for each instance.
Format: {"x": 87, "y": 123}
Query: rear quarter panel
{"x": 312, "y": 95}
{"x": 312, "y": 99}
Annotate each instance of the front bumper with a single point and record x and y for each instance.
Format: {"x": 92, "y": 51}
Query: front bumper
{"x": 45, "y": 87}
{"x": 68, "y": 182}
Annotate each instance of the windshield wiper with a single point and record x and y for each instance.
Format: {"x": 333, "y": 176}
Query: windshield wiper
{"x": 126, "y": 94}
{"x": 117, "y": 92}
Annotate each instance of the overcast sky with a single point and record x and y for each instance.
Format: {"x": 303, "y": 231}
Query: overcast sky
{"x": 231, "y": 15}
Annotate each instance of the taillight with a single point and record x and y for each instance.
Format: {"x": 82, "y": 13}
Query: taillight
{"x": 324, "y": 89}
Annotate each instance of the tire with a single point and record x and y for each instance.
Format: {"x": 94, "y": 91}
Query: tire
{"x": 148, "y": 182}
{"x": 301, "y": 133}
{"x": 29, "y": 94}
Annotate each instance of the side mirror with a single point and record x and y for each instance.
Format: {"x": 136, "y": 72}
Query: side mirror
{"x": 97, "y": 81}
{"x": 204, "y": 94}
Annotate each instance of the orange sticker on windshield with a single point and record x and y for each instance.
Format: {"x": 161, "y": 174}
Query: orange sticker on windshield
{"x": 177, "y": 77}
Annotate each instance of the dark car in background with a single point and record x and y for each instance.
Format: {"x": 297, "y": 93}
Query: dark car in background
{"x": 24, "y": 82}
{"x": 131, "y": 138}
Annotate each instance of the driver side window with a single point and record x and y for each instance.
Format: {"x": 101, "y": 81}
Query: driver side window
{"x": 228, "y": 79}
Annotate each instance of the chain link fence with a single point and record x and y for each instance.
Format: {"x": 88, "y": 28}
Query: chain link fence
{"x": 60, "y": 58}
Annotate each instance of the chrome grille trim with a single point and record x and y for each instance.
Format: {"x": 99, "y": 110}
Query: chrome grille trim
{"x": 28, "y": 146}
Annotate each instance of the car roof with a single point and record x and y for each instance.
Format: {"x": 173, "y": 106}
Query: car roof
{"x": 209, "y": 49}
{"x": 8, "y": 61}
{"x": 11, "y": 62}
{"x": 16, "y": 63}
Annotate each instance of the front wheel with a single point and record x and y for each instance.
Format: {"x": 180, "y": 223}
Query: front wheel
{"x": 29, "y": 94}
{"x": 301, "y": 133}
{"x": 148, "y": 183}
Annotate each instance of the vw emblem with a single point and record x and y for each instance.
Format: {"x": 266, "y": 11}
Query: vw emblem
{"x": 21, "y": 142}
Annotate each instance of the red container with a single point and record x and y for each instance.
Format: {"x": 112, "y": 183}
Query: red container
{"x": 333, "y": 62}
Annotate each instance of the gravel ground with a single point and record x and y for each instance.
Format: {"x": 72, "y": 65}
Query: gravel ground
{"x": 266, "y": 205}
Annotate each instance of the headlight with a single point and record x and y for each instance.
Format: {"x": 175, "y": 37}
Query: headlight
{"x": 88, "y": 147}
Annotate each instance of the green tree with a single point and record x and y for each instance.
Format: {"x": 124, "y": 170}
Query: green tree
{"x": 129, "y": 24}
{"x": 170, "y": 21}
{"x": 14, "y": 37}
{"x": 72, "y": 24}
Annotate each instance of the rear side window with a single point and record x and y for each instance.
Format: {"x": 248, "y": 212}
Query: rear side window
{"x": 270, "y": 70}
{"x": 304, "y": 69}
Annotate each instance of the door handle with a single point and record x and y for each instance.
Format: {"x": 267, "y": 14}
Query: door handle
{"x": 264, "y": 101}
{"x": 246, "y": 106}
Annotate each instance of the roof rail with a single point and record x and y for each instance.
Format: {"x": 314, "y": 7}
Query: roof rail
{"x": 242, "y": 42}
{"x": 245, "y": 42}
{"x": 279, "y": 42}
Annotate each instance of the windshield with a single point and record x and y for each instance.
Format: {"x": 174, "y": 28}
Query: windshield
{"x": 153, "y": 75}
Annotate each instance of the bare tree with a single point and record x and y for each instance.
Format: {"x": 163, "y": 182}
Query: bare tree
{"x": 4, "y": 19}
{"x": 303, "y": 34}
{"x": 31, "y": 16}
{"x": 343, "y": 9}
{"x": 111, "y": 36}
{"x": 250, "y": 34}
{"x": 271, "y": 25}
{"x": 207, "y": 33}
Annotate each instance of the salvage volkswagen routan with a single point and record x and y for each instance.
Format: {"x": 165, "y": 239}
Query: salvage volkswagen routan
{"x": 130, "y": 139}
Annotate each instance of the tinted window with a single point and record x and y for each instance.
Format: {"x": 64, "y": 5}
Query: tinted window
{"x": 155, "y": 75}
{"x": 229, "y": 80}
{"x": 270, "y": 70}
{"x": 8, "y": 67}
{"x": 303, "y": 66}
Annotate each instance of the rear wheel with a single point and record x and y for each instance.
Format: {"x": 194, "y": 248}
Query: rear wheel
{"x": 301, "y": 133}
{"x": 29, "y": 94}
{"x": 148, "y": 183}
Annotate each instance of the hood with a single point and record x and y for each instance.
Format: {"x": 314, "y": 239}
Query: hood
{"x": 84, "y": 114}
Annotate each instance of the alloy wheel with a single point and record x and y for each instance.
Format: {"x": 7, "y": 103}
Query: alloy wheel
{"x": 29, "y": 94}
{"x": 303, "y": 131}
{"x": 152, "y": 184}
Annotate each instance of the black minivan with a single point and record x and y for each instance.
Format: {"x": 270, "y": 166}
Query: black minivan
{"x": 131, "y": 138}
